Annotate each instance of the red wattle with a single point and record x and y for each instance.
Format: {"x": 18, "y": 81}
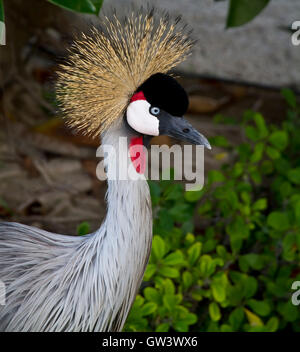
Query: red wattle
{"x": 137, "y": 155}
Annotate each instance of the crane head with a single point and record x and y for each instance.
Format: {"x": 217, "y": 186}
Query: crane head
{"x": 157, "y": 108}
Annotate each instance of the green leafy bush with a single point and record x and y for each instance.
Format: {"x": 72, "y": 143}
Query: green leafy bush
{"x": 82, "y": 6}
{"x": 234, "y": 273}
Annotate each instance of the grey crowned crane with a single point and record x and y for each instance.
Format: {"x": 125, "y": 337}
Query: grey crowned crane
{"x": 114, "y": 84}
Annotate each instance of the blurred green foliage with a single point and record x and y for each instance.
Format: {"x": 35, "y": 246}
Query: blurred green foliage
{"x": 1, "y": 11}
{"x": 83, "y": 228}
{"x": 234, "y": 273}
{"x": 83, "y": 6}
{"x": 241, "y": 12}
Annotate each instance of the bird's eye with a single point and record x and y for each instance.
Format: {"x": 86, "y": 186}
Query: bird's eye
{"x": 154, "y": 110}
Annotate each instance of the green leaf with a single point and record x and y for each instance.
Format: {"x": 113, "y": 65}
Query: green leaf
{"x": 226, "y": 120}
{"x": 253, "y": 319}
{"x": 289, "y": 247}
{"x": 262, "y": 308}
{"x": 279, "y": 139}
{"x": 267, "y": 167}
{"x": 261, "y": 125}
{"x": 236, "y": 244}
{"x": 173, "y": 191}
{"x": 152, "y": 295}
{"x": 194, "y": 253}
{"x": 169, "y": 287}
{"x": 247, "y": 285}
{"x": 260, "y": 204}
{"x": 83, "y": 6}
{"x": 174, "y": 258}
{"x": 297, "y": 212}
{"x": 282, "y": 165}
{"x": 205, "y": 208}
{"x": 255, "y": 175}
{"x": 197, "y": 294}
{"x": 214, "y": 311}
{"x": 245, "y": 149}
{"x": 243, "y": 264}
{"x": 206, "y": 265}
{"x": 289, "y": 97}
{"x": 221, "y": 251}
{"x": 168, "y": 271}
{"x": 148, "y": 308}
{"x": 158, "y": 247}
{"x": 83, "y": 228}
{"x": 236, "y": 318}
{"x": 213, "y": 327}
{"x": 237, "y": 229}
{"x": 218, "y": 291}
{"x": 226, "y": 328}
{"x": 181, "y": 212}
{"x": 294, "y": 175}
{"x": 215, "y": 176}
{"x": 165, "y": 220}
{"x": 164, "y": 327}
{"x": 288, "y": 311}
{"x": 253, "y": 260}
{"x": 193, "y": 196}
{"x": 272, "y": 153}
{"x": 154, "y": 191}
{"x": 181, "y": 326}
{"x": 251, "y": 133}
{"x": 189, "y": 319}
{"x": 235, "y": 294}
{"x": 238, "y": 169}
{"x": 285, "y": 189}
{"x": 219, "y": 262}
{"x": 279, "y": 221}
{"x": 170, "y": 302}
{"x": 257, "y": 153}
{"x": 209, "y": 245}
{"x": 272, "y": 324}
{"x": 250, "y": 286}
{"x": 139, "y": 301}
{"x": 219, "y": 141}
{"x": 150, "y": 271}
{"x": 187, "y": 279}
{"x": 189, "y": 238}
{"x": 243, "y": 11}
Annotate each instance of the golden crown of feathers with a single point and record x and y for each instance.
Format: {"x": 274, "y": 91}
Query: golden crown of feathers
{"x": 106, "y": 67}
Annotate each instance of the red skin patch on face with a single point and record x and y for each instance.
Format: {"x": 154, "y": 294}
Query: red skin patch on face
{"x": 137, "y": 155}
{"x": 138, "y": 96}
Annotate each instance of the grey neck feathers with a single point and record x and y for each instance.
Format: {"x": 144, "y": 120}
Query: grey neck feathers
{"x": 126, "y": 234}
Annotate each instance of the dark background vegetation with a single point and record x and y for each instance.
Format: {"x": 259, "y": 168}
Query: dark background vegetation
{"x": 223, "y": 258}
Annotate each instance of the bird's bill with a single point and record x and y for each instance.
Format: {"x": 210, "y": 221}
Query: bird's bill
{"x": 179, "y": 128}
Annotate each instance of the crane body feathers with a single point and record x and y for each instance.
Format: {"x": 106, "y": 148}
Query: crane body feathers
{"x": 69, "y": 283}
{"x": 78, "y": 283}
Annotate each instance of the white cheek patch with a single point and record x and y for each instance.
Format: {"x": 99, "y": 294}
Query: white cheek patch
{"x": 140, "y": 119}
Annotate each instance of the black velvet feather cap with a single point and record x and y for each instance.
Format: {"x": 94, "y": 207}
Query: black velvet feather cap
{"x": 165, "y": 92}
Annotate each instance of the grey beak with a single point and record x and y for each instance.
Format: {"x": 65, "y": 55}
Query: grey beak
{"x": 179, "y": 128}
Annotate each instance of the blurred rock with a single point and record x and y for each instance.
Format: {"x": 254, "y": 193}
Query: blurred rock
{"x": 259, "y": 52}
